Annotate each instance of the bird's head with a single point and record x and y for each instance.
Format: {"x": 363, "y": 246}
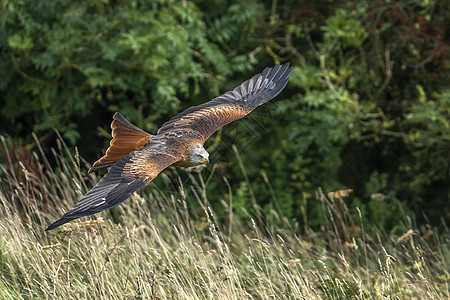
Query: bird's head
{"x": 199, "y": 156}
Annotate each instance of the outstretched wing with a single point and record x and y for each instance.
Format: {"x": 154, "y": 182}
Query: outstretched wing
{"x": 233, "y": 105}
{"x": 126, "y": 176}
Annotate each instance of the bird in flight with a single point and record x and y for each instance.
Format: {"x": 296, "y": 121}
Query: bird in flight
{"x": 137, "y": 157}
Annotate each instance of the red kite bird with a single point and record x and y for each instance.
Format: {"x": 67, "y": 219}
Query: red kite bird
{"x": 138, "y": 157}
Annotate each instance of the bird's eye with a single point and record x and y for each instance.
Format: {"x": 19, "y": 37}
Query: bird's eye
{"x": 199, "y": 156}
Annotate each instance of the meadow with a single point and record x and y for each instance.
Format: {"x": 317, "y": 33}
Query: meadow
{"x": 155, "y": 246}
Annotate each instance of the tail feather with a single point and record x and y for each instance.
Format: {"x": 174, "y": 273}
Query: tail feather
{"x": 126, "y": 139}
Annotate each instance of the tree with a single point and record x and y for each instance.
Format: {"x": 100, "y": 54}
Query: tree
{"x": 367, "y": 106}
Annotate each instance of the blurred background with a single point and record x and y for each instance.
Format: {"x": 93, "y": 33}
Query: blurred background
{"x": 367, "y": 107}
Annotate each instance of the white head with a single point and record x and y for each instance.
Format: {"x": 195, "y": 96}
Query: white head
{"x": 199, "y": 156}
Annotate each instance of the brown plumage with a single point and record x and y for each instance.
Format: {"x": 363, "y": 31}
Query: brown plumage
{"x": 138, "y": 157}
{"x": 126, "y": 138}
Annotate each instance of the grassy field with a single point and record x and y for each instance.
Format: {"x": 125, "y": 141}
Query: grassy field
{"x": 159, "y": 248}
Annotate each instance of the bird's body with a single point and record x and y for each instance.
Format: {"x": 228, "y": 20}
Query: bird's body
{"x": 137, "y": 157}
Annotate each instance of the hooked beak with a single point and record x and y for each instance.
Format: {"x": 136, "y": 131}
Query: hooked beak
{"x": 205, "y": 160}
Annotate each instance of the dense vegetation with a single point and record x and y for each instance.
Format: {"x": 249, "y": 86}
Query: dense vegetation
{"x": 160, "y": 248}
{"x": 367, "y": 107}
{"x": 338, "y": 189}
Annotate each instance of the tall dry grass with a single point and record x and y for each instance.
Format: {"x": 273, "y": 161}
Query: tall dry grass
{"x": 160, "y": 248}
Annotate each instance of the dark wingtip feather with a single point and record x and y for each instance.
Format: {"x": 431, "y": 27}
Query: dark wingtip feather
{"x": 281, "y": 78}
{"x": 110, "y": 191}
{"x": 273, "y": 81}
{"x": 58, "y": 223}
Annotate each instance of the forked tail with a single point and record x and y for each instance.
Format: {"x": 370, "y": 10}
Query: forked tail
{"x": 126, "y": 139}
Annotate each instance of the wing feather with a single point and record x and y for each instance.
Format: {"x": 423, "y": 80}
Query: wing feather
{"x": 126, "y": 176}
{"x": 233, "y": 105}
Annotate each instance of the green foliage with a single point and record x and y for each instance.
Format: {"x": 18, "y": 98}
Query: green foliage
{"x": 345, "y": 29}
{"x": 366, "y": 108}
{"x": 69, "y": 59}
{"x": 363, "y": 119}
